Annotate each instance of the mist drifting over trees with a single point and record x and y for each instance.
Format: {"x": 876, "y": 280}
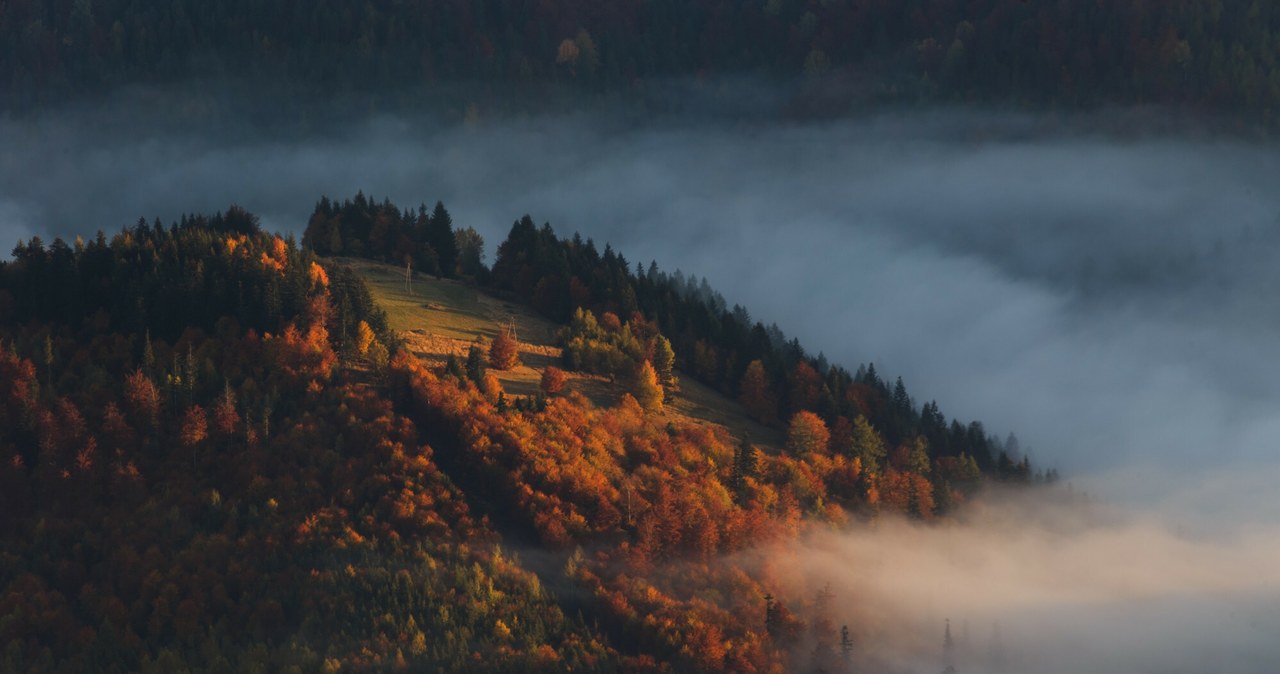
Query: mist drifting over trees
{"x": 1058, "y": 219}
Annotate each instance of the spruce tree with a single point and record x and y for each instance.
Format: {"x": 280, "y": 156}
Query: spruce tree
{"x": 454, "y": 368}
{"x": 476, "y": 366}
{"x": 441, "y": 239}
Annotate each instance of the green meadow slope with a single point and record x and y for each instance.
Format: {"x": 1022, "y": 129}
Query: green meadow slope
{"x": 437, "y": 318}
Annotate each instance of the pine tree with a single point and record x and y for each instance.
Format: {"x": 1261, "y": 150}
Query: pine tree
{"x": 476, "y": 366}
{"x": 454, "y": 368}
{"x": 746, "y": 463}
{"x": 441, "y": 239}
{"x": 470, "y": 251}
{"x": 846, "y": 644}
{"x": 770, "y": 615}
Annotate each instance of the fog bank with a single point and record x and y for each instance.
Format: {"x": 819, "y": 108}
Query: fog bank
{"x": 1107, "y": 296}
{"x": 1034, "y": 586}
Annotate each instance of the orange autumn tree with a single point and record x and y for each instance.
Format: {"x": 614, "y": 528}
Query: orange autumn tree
{"x": 807, "y": 434}
{"x": 805, "y": 387}
{"x": 225, "y": 417}
{"x": 504, "y": 351}
{"x": 195, "y": 428}
{"x": 364, "y": 338}
{"x": 553, "y": 380}
{"x": 143, "y": 399}
{"x": 754, "y": 393}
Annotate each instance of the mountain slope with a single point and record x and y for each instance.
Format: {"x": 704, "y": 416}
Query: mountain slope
{"x": 216, "y": 455}
{"x": 214, "y": 487}
{"x": 438, "y": 318}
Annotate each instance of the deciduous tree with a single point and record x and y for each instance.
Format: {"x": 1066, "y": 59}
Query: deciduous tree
{"x": 755, "y": 393}
{"x": 807, "y": 434}
{"x": 226, "y": 420}
{"x": 648, "y": 392}
{"x": 364, "y": 338}
{"x": 553, "y": 380}
{"x": 504, "y": 352}
{"x": 664, "y": 362}
{"x": 868, "y": 446}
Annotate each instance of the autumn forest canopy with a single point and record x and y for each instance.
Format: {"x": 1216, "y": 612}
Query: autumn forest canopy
{"x": 217, "y": 456}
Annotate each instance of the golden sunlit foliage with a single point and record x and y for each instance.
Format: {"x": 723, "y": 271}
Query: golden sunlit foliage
{"x": 316, "y": 530}
{"x": 807, "y": 434}
{"x": 257, "y": 476}
{"x": 552, "y": 381}
{"x": 504, "y": 351}
{"x": 364, "y": 338}
{"x": 647, "y": 390}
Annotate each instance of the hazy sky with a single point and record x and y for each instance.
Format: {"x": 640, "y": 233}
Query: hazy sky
{"x": 1107, "y": 297}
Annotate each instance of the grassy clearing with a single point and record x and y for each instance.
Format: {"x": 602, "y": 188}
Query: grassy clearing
{"x": 438, "y": 318}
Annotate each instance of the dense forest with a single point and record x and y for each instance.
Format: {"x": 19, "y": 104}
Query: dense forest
{"x": 217, "y": 457}
{"x": 721, "y": 346}
{"x": 195, "y": 478}
{"x": 1206, "y": 53}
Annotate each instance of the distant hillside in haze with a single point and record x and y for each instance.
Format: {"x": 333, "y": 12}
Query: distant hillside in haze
{"x": 1206, "y": 54}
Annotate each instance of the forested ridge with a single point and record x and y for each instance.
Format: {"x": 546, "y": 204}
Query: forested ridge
{"x": 198, "y": 475}
{"x": 1207, "y": 53}
{"x": 774, "y": 377}
{"x": 215, "y": 457}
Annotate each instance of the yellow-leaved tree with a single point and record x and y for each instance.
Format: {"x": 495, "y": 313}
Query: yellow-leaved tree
{"x": 648, "y": 391}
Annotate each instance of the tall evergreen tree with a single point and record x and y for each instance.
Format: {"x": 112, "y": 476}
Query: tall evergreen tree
{"x": 476, "y": 366}
{"x": 846, "y": 645}
{"x": 441, "y": 239}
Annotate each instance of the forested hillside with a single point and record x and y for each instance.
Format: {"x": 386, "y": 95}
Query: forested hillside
{"x": 217, "y": 458}
{"x": 200, "y": 475}
{"x": 572, "y": 281}
{"x": 1209, "y": 53}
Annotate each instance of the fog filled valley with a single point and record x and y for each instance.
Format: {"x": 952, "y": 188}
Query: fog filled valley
{"x": 1100, "y": 284}
{"x": 1104, "y": 294}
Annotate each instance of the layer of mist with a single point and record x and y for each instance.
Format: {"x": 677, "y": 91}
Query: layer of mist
{"x": 1034, "y": 585}
{"x": 1107, "y": 296}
